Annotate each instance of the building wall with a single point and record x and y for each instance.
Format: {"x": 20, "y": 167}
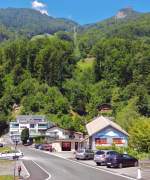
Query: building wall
{"x": 57, "y": 146}
{"x": 107, "y": 137}
{"x": 63, "y": 134}
{"x": 35, "y": 125}
{"x": 60, "y": 133}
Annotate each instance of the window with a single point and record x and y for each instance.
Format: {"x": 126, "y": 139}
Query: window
{"x": 14, "y": 125}
{"x": 32, "y": 125}
{"x": 100, "y": 141}
{"x": 117, "y": 141}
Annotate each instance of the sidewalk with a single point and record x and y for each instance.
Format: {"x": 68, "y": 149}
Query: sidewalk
{"x": 24, "y": 173}
{"x": 9, "y": 167}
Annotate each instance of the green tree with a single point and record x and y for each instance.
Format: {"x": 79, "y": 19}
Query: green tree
{"x": 139, "y": 135}
{"x": 24, "y": 135}
{"x": 128, "y": 114}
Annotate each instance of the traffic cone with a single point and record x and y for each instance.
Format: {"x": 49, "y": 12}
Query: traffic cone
{"x": 139, "y": 175}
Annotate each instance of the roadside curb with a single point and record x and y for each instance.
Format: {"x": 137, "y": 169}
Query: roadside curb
{"x": 27, "y": 174}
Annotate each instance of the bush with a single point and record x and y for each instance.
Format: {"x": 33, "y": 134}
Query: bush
{"x": 39, "y": 139}
{"x": 127, "y": 150}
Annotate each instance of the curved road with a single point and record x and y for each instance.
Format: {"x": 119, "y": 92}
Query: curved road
{"x": 61, "y": 169}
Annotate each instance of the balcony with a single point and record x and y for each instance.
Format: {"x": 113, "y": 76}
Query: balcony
{"x": 42, "y": 126}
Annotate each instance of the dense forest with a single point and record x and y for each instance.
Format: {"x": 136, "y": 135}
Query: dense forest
{"x": 67, "y": 80}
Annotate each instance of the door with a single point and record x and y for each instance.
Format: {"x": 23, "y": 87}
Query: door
{"x": 76, "y": 146}
{"x": 66, "y": 146}
{"x": 126, "y": 160}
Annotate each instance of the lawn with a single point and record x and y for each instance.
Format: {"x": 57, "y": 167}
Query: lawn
{"x": 8, "y": 178}
{"x": 4, "y": 149}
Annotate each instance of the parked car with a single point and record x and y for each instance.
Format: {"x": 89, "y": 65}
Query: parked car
{"x": 46, "y": 147}
{"x": 36, "y": 146}
{"x": 11, "y": 155}
{"x": 101, "y": 156}
{"x": 84, "y": 154}
{"x": 121, "y": 160}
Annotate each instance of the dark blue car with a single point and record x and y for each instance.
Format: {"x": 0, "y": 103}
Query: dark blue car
{"x": 121, "y": 160}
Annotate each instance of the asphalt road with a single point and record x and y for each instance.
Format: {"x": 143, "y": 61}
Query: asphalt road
{"x": 61, "y": 169}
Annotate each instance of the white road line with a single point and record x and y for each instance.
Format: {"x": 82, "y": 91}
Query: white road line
{"x": 25, "y": 169}
{"x": 90, "y": 166}
{"x": 49, "y": 175}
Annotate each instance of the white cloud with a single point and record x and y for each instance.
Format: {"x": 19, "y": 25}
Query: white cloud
{"x": 44, "y": 11}
{"x": 40, "y": 7}
{"x": 37, "y": 4}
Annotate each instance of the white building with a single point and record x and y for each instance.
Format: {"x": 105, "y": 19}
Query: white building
{"x": 63, "y": 140}
{"x": 36, "y": 124}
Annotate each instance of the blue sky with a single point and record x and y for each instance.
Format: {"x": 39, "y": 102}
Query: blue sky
{"x": 82, "y": 11}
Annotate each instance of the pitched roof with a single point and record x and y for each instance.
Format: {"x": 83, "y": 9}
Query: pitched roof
{"x": 100, "y": 123}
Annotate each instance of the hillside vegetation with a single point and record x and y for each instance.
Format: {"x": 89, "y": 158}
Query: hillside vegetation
{"x": 29, "y": 22}
{"x": 46, "y": 75}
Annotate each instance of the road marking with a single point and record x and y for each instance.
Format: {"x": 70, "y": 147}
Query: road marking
{"x": 49, "y": 175}
{"x": 90, "y": 166}
{"x": 25, "y": 169}
{"x": 101, "y": 169}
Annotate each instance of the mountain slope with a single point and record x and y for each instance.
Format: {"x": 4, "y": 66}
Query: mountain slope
{"x": 31, "y": 22}
{"x": 123, "y": 16}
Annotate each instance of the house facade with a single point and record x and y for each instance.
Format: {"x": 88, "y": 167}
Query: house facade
{"x": 104, "y": 132}
{"x": 63, "y": 140}
{"x": 36, "y": 124}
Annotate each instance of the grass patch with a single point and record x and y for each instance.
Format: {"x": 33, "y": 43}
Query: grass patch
{"x": 8, "y": 178}
{"x": 5, "y": 149}
{"x": 86, "y": 63}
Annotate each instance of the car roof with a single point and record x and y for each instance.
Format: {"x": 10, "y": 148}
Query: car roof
{"x": 107, "y": 150}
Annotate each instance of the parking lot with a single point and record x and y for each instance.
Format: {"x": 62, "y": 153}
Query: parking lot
{"x": 128, "y": 171}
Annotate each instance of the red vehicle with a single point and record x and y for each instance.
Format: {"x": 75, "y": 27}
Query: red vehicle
{"x": 47, "y": 147}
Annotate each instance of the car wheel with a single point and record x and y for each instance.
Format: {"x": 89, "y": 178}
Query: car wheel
{"x": 136, "y": 164}
{"x": 98, "y": 164}
{"x": 108, "y": 167}
{"x": 120, "y": 165}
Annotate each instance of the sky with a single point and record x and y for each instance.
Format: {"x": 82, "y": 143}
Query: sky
{"x": 81, "y": 11}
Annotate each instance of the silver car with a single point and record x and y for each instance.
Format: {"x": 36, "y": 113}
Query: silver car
{"x": 101, "y": 156}
{"x": 84, "y": 154}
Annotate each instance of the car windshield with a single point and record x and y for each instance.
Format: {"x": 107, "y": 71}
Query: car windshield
{"x": 112, "y": 152}
{"x": 100, "y": 152}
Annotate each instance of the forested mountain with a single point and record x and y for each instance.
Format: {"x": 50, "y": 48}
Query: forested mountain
{"x": 67, "y": 79}
{"x": 122, "y": 16}
{"x": 127, "y": 23}
{"x": 30, "y": 22}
